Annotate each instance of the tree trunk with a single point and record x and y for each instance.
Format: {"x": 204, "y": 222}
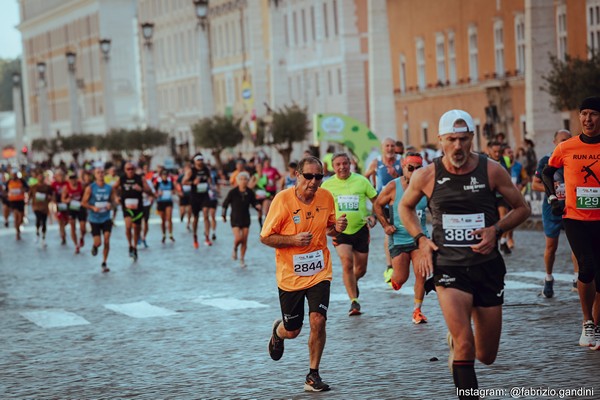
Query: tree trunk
{"x": 216, "y": 153}
{"x": 286, "y": 154}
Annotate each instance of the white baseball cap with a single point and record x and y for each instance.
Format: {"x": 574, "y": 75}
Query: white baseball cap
{"x": 449, "y": 118}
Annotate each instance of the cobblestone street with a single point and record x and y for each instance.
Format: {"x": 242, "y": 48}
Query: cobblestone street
{"x": 185, "y": 323}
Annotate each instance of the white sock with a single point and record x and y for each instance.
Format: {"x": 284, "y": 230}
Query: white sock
{"x": 503, "y": 240}
{"x": 549, "y": 277}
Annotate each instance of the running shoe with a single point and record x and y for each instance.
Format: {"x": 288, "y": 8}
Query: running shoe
{"x": 505, "y": 249}
{"x": 104, "y": 267}
{"x": 313, "y": 383}
{"x": 387, "y": 274}
{"x": 172, "y": 238}
{"x": 548, "y": 291}
{"x": 242, "y": 264}
{"x": 76, "y": 249}
{"x": 163, "y": 239}
{"x": 196, "y": 244}
{"x": 214, "y": 236}
{"x": 135, "y": 255}
{"x": 276, "y": 343}
{"x": 145, "y": 244}
{"x": 354, "y": 308}
{"x": 37, "y": 238}
{"x": 574, "y": 286}
{"x": 6, "y": 224}
{"x": 130, "y": 252}
{"x": 207, "y": 242}
{"x": 139, "y": 241}
{"x": 450, "y": 341}
{"x": 596, "y": 346}
{"x": 94, "y": 251}
{"x": 418, "y": 317}
{"x": 63, "y": 241}
{"x": 81, "y": 242}
{"x": 588, "y": 338}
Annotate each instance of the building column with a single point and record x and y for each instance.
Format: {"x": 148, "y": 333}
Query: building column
{"x": 540, "y": 36}
{"x": 382, "y": 112}
{"x": 257, "y": 57}
{"x": 278, "y": 76}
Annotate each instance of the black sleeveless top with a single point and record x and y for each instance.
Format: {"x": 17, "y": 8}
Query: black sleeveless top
{"x": 201, "y": 189}
{"x": 128, "y": 192}
{"x": 459, "y": 204}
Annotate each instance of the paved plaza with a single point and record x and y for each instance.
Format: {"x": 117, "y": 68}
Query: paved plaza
{"x": 190, "y": 324}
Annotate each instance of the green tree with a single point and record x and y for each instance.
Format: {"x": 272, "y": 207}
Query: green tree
{"x": 572, "y": 80}
{"x": 132, "y": 140}
{"x": 289, "y": 125}
{"x": 7, "y": 69}
{"x": 78, "y": 143}
{"x": 49, "y": 147}
{"x": 216, "y": 134}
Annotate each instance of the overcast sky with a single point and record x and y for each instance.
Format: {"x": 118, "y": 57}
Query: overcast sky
{"x": 10, "y": 42}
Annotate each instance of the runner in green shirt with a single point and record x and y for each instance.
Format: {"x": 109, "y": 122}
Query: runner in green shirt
{"x": 350, "y": 192}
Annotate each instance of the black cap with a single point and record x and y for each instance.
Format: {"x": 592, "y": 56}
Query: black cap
{"x": 591, "y": 103}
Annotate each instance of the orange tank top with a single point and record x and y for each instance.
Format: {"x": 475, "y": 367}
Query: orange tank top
{"x": 16, "y": 190}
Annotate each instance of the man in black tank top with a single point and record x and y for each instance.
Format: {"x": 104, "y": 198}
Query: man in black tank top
{"x": 130, "y": 188}
{"x": 198, "y": 177}
{"x": 462, "y": 254}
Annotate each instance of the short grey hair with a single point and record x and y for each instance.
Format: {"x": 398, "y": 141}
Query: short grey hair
{"x": 241, "y": 175}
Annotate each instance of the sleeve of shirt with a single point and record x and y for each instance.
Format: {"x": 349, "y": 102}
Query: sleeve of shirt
{"x": 331, "y": 220}
{"x": 556, "y": 159}
{"x": 273, "y": 222}
{"x": 370, "y": 190}
{"x": 541, "y": 165}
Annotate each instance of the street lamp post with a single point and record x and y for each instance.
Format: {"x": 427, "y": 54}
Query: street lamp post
{"x": 152, "y": 106}
{"x": 19, "y": 140}
{"x": 44, "y": 116}
{"x": 109, "y": 108}
{"x": 74, "y": 109}
{"x": 205, "y": 74}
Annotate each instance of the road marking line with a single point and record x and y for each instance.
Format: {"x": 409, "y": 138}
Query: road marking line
{"x": 229, "y": 303}
{"x": 541, "y": 275}
{"x": 54, "y": 318}
{"x": 520, "y": 285}
{"x": 140, "y": 309}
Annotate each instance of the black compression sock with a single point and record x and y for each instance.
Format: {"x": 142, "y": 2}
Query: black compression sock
{"x": 463, "y": 372}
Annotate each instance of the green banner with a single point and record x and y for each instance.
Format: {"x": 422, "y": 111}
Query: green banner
{"x": 351, "y": 133}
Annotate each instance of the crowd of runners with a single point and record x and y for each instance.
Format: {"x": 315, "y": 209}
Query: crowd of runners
{"x": 472, "y": 201}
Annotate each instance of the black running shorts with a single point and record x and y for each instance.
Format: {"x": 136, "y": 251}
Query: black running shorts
{"x": 359, "y": 240}
{"x": 199, "y": 202}
{"x": 584, "y": 238}
{"x": 161, "y": 206}
{"x": 105, "y": 226}
{"x": 292, "y": 304}
{"x": 484, "y": 281}
{"x": 18, "y": 205}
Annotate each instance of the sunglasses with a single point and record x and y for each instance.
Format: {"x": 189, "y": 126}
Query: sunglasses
{"x": 128, "y": 169}
{"x": 411, "y": 168}
{"x": 310, "y": 177}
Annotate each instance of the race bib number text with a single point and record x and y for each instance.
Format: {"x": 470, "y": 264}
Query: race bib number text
{"x": 458, "y": 229}
{"x": 309, "y": 264}
{"x": 588, "y": 198}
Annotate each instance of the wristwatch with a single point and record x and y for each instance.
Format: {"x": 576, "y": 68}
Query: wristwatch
{"x": 417, "y": 237}
{"x": 499, "y": 231}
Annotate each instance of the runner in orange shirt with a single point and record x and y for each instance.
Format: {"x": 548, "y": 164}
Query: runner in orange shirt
{"x": 299, "y": 220}
{"x": 579, "y": 156}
